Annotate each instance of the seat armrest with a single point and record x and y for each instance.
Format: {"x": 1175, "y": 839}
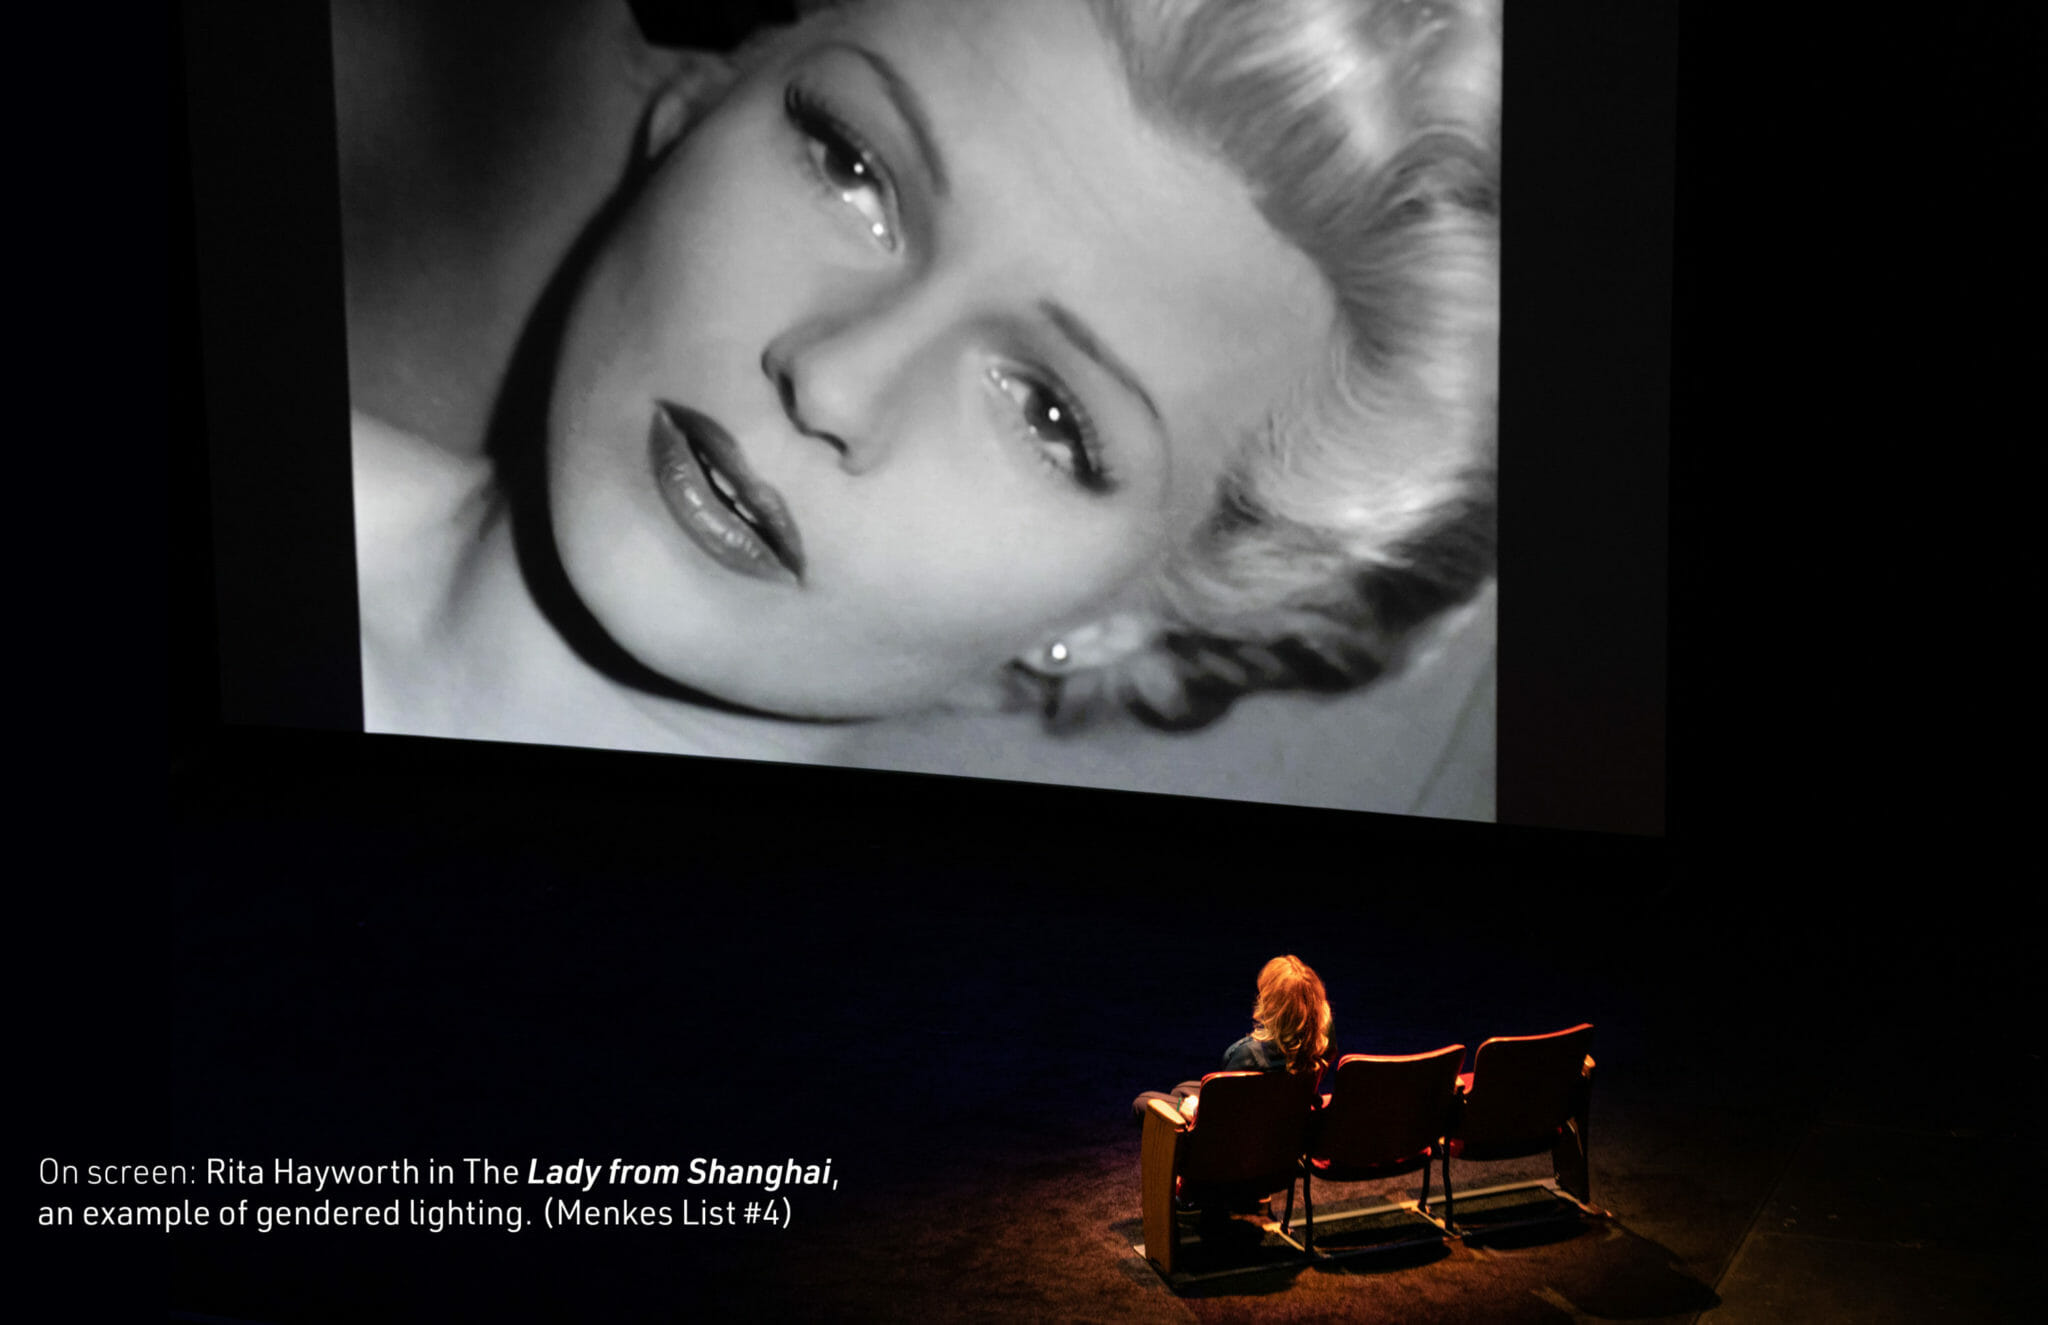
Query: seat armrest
{"x": 1158, "y": 1160}
{"x": 1167, "y": 1114}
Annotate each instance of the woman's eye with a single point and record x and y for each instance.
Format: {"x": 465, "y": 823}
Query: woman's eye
{"x": 1056, "y": 425}
{"x": 843, "y": 166}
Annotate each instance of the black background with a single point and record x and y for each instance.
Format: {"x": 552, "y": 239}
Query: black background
{"x": 305, "y": 833}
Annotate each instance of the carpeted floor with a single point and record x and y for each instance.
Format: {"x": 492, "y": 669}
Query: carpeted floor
{"x": 961, "y": 1031}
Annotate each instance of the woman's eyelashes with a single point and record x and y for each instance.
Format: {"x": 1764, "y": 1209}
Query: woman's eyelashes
{"x": 844, "y": 166}
{"x": 1050, "y": 421}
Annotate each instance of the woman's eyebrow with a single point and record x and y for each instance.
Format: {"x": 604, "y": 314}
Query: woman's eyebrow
{"x": 910, "y": 108}
{"x": 1085, "y": 340}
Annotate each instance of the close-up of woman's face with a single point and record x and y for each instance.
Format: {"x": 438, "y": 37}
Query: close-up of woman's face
{"x": 921, "y": 349}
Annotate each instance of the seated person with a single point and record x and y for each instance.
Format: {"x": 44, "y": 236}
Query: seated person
{"x": 1290, "y": 1033}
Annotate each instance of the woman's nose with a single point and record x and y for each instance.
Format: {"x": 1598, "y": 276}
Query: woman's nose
{"x": 836, "y": 382}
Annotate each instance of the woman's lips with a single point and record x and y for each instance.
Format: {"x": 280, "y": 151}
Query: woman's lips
{"x": 720, "y": 503}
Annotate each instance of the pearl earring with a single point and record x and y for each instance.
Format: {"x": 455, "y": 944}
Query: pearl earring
{"x": 1057, "y": 654}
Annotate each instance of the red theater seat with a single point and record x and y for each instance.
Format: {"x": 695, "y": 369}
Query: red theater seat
{"x": 1384, "y": 1116}
{"x": 1245, "y": 1144}
{"x": 1526, "y": 1094}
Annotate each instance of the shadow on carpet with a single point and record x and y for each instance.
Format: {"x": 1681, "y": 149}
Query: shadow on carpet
{"x": 1246, "y": 1254}
{"x": 1377, "y": 1259}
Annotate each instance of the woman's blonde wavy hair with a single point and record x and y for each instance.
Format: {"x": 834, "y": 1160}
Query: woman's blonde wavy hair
{"x": 1293, "y": 1013}
{"x": 1368, "y": 132}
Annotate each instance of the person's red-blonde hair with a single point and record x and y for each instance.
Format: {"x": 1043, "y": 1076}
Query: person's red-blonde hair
{"x": 1293, "y": 1012}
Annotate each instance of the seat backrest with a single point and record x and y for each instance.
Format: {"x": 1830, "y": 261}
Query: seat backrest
{"x": 1386, "y": 1109}
{"x": 1523, "y": 1089}
{"x": 1250, "y": 1126}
